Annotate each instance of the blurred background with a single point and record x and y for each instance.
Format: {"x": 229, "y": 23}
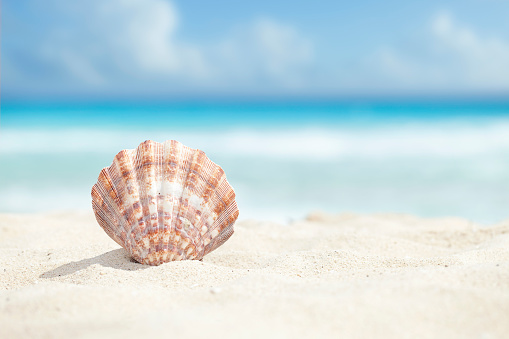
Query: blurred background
{"x": 364, "y": 106}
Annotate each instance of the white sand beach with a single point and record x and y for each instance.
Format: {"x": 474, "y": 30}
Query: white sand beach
{"x": 329, "y": 276}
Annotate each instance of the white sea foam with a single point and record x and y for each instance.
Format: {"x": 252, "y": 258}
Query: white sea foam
{"x": 428, "y": 169}
{"x": 318, "y": 143}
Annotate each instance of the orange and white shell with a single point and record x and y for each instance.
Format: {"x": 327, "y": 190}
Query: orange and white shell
{"x": 165, "y": 202}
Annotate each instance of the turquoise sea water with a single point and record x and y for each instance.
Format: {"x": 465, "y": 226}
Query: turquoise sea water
{"x": 284, "y": 159}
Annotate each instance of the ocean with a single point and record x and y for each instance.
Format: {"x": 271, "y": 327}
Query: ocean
{"x": 284, "y": 159}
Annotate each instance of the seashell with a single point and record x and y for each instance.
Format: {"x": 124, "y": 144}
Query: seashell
{"x": 165, "y": 202}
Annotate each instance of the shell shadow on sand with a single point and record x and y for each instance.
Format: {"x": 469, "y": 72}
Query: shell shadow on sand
{"x": 117, "y": 259}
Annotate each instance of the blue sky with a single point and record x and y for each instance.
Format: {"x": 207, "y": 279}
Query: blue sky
{"x": 168, "y": 49}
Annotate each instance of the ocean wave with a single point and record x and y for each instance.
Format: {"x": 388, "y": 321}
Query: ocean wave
{"x": 281, "y": 173}
{"x": 302, "y": 143}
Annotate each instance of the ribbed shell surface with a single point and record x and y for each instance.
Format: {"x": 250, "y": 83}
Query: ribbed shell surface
{"x": 165, "y": 202}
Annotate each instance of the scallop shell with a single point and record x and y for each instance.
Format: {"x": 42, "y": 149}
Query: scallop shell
{"x": 165, "y": 202}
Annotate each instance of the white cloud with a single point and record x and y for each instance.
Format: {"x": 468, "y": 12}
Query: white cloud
{"x": 452, "y": 56}
{"x": 133, "y": 46}
{"x": 265, "y": 51}
{"x": 128, "y": 45}
{"x": 130, "y": 37}
{"x": 279, "y": 47}
{"x": 482, "y": 61}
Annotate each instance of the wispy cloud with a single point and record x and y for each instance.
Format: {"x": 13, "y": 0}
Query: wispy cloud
{"x": 481, "y": 61}
{"x": 264, "y": 52}
{"x": 451, "y": 56}
{"x": 107, "y": 42}
{"x": 132, "y": 45}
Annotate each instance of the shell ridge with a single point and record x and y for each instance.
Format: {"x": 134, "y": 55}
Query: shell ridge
{"x": 104, "y": 219}
{"x": 109, "y": 201}
{"x": 152, "y": 189}
{"x": 225, "y": 219}
{"x": 208, "y": 175}
{"x": 114, "y": 204}
{"x": 119, "y": 184}
{"x": 171, "y": 149}
{"x": 133, "y": 211}
{"x": 160, "y": 194}
{"x": 185, "y": 192}
{"x": 115, "y": 173}
{"x": 176, "y": 149}
{"x": 152, "y": 174}
{"x": 164, "y": 229}
{"x": 134, "y": 227}
{"x": 224, "y": 234}
{"x": 222, "y": 225}
{"x": 220, "y": 239}
{"x": 136, "y": 188}
{"x": 206, "y": 188}
{"x": 141, "y": 225}
{"x": 220, "y": 193}
{"x": 122, "y": 163}
{"x": 192, "y": 194}
{"x": 181, "y": 177}
{"x": 165, "y": 175}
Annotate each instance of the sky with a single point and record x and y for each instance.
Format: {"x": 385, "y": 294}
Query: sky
{"x": 143, "y": 49}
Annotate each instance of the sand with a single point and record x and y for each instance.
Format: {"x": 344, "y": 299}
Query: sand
{"x": 329, "y": 276}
